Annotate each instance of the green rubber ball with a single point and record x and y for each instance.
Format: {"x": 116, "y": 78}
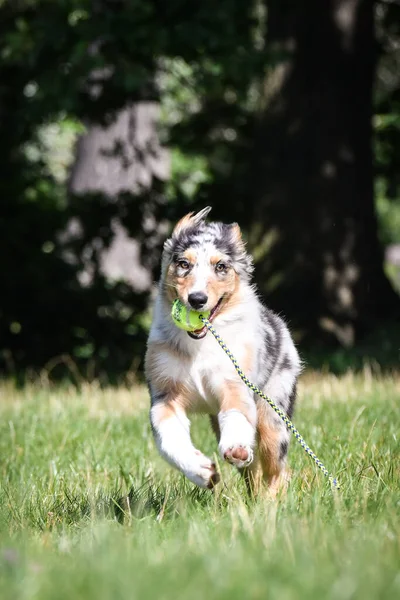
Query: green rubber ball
{"x": 189, "y": 320}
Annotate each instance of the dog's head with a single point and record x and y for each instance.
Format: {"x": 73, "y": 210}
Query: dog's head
{"x": 204, "y": 264}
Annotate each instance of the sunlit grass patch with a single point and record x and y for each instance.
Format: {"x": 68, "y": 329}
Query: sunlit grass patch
{"x": 89, "y": 510}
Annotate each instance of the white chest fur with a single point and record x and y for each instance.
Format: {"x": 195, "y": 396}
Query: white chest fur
{"x": 203, "y": 368}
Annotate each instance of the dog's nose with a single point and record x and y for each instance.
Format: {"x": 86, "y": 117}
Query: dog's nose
{"x": 197, "y": 300}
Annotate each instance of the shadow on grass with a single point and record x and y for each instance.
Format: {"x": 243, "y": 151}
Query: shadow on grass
{"x": 75, "y": 508}
{"x": 165, "y": 502}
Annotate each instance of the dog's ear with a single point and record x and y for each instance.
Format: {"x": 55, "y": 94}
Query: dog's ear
{"x": 243, "y": 262}
{"x": 201, "y": 215}
{"x": 190, "y": 220}
{"x": 236, "y": 233}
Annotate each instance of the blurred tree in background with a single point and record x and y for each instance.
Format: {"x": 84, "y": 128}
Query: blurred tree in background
{"x": 118, "y": 116}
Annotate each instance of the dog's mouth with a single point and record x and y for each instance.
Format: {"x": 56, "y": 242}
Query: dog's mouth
{"x": 198, "y": 334}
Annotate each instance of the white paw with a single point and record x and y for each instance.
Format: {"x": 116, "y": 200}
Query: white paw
{"x": 237, "y": 438}
{"x": 238, "y": 455}
{"x": 202, "y": 471}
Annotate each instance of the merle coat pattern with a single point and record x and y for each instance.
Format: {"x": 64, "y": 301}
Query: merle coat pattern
{"x": 207, "y": 267}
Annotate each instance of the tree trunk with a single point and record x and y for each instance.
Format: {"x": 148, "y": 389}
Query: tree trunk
{"x": 313, "y": 171}
{"x": 115, "y": 162}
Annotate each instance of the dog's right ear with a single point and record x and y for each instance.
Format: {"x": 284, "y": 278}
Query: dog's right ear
{"x": 190, "y": 220}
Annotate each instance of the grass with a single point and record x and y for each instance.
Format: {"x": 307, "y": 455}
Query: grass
{"x": 67, "y": 457}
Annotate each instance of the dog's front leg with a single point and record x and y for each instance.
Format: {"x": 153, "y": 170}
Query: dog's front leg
{"x": 237, "y": 423}
{"x": 171, "y": 429}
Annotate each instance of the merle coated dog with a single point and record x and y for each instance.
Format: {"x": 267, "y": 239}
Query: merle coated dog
{"x": 207, "y": 267}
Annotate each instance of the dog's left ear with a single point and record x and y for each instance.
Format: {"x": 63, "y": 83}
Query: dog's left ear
{"x": 190, "y": 220}
{"x": 236, "y": 233}
{"x": 243, "y": 261}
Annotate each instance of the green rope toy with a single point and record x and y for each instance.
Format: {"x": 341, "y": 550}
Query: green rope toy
{"x": 192, "y": 321}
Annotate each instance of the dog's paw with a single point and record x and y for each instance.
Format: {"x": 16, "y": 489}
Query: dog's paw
{"x": 239, "y": 456}
{"x": 203, "y": 472}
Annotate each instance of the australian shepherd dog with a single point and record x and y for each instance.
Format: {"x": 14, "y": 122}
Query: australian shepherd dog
{"x": 206, "y": 266}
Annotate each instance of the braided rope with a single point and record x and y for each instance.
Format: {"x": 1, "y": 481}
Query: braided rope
{"x": 272, "y": 404}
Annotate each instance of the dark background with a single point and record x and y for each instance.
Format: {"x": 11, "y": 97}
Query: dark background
{"x": 117, "y": 117}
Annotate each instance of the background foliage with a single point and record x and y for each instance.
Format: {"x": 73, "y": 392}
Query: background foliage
{"x": 69, "y": 66}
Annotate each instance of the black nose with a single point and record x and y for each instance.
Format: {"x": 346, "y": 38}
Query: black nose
{"x": 197, "y": 300}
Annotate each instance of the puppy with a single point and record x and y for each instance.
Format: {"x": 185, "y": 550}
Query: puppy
{"x": 207, "y": 267}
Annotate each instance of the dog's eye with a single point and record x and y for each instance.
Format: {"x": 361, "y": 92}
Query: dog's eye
{"x": 221, "y": 267}
{"x": 183, "y": 264}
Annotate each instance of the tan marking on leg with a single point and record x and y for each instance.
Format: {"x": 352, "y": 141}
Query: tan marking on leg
{"x": 166, "y": 409}
{"x": 172, "y": 393}
{"x": 235, "y": 399}
{"x": 232, "y": 398}
{"x": 269, "y": 440}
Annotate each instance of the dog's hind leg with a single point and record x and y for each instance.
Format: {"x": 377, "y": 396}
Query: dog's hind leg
{"x": 273, "y": 435}
{"x": 269, "y": 464}
{"x": 273, "y": 443}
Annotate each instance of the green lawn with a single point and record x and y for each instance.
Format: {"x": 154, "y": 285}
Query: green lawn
{"x": 67, "y": 457}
